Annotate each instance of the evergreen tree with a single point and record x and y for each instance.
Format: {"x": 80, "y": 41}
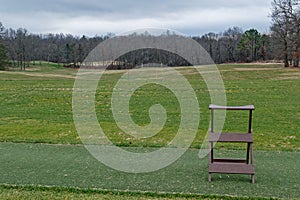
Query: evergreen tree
{"x": 250, "y": 45}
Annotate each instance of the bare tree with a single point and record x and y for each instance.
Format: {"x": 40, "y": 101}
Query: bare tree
{"x": 21, "y": 51}
{"x": 296, "y": 34}
{"x": 231, "y": 39}
{"x": 1, "y": 30}
{"x": 3, "y": 53}
{"x": 285, "y": 26}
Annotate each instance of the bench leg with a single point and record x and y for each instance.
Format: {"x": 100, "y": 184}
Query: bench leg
{"x": 252, "y": 177}
{"x": 209, "y": 177}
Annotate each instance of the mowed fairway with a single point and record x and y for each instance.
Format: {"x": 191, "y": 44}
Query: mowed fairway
{"x": 36, "y": 107}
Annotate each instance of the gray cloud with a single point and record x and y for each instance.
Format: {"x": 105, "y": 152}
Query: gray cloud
{"x": 102, "y": 16}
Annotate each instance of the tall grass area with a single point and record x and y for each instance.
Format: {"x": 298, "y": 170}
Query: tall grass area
{"x": 36, "y": 106}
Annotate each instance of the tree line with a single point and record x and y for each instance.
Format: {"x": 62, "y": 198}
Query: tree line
{"x": 19, "y": 47}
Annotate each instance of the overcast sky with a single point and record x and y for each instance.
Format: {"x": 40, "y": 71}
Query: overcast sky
{"x": 98, "y": 17}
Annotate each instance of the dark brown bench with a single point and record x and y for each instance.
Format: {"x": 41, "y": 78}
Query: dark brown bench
{"x": 231, "y": 166}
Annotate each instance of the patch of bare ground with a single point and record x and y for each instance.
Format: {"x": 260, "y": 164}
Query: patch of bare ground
{"x": 40, "y": 74}
{"x": 255, "y": 69}
{"x": 288, "y": 76}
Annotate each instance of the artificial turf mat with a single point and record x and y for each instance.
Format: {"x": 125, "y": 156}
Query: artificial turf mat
{"x": 277, "y": 173}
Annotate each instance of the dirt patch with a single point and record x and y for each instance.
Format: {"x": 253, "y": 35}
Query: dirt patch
{"x": 291, "y": 74}
{"x": 49, "y": 75}
{"x": 39, "y": 74}
{"x": 286, "y": 78}
{"x": 254, "y": 69}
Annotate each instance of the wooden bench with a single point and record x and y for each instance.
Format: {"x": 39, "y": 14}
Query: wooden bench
{"x": 231, "y": 166}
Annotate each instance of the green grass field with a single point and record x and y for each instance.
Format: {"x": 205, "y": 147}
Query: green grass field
{"x": 36, "y": 107}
